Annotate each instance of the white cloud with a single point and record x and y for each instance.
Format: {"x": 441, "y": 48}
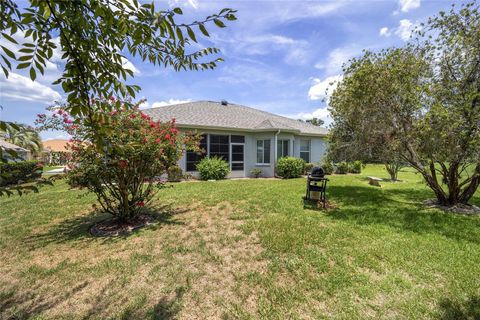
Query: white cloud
{"x": 320, "y": 113}
{"x": 18, "y": 87}
{"x": 385, "y": 32}
{"x": 181, "y": 3}
{"x": 250, "y": 73}
{"x": 407, "y": 5}
{"x": 405, "y": 29}
{"x": 336, "y": 58}
{"x": 127, "y": 64}
{"x": 322, "y": 89}
{"x": 159, "y": 104}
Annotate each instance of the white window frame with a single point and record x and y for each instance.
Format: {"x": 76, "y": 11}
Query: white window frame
{"x": 262, "y": 148}
{"x": 309, "y": 149}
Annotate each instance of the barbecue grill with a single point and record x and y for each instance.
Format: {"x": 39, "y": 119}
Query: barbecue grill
{"x": 316, "y": 187}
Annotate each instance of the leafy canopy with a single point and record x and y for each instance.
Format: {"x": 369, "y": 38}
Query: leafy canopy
{"x": 420, "y": 103}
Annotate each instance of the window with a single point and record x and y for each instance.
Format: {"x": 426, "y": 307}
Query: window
{"x": 282, "y": 148}
{"x": 305, "y": 150}
{"x": 219, "y": 146}
{"x": 263, "y": 151}
{"x": 193, "y": 157}
{"x": 237, "y": 139}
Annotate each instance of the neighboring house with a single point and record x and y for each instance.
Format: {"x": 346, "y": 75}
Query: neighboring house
{"x": 55, "y": 151}
{"x": 245, "y": 137}
{"x": 22, "y": 154}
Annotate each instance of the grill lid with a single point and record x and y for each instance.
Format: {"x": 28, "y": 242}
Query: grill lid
{"x": 317, "y": 172}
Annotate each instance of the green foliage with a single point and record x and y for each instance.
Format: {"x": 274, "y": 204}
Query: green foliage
{"x": 213, "y": 168}
{"x": 342, "y": 167}
{"x": 175, "y": 174}
{"x": 290, "y": 167}
{"x": 256, "y": 172}
{"x": 355, "y": 167}
{"x": 23, "y": 136}
{"x": 125, "y": 178}
{"x": 419, "y": 104}
{"x": 308, "y": 167}
{"x": 19, "y": 172}
{"x": 94, "y": 38}
{"x": 328, "y": 167}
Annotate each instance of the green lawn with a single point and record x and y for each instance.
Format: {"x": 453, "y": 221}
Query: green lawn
{"x": 244, "y": 249}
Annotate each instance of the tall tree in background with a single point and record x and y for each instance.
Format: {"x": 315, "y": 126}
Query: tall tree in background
{"x": 23, "y": 136}
{"x": 423, "y": 102}
{"x": 316, "y": 121}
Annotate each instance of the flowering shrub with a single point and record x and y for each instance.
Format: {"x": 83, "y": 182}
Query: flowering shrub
{"x": 124, "y": 169}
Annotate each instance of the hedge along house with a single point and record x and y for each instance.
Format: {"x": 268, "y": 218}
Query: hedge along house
{"x": 246, "y": 138}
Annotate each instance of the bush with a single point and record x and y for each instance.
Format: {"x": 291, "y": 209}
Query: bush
{"x": 135, "y": 151}
{"x": 290, "y": 167}
{"x": 328, "y": 167}
{"x": 356, "y": 167}
{"x": 256, "y": 172}
{"x": 213, "y": 168}
{"x": 17, "y": 172}
{"x": 308, "y": 167}
{"x": 175, "y": 174}
{"x": 342, "y": 167}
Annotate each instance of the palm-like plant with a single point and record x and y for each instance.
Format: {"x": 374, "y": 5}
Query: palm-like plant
{"x": 23, "y": 136}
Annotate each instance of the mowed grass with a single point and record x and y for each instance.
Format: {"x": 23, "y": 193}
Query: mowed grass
{"x": 244, "y": 249}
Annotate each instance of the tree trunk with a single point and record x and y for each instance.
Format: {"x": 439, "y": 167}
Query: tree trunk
{"x": 392, "y": 169}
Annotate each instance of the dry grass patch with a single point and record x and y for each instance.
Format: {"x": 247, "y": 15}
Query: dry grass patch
{"x": 186, "y": 266}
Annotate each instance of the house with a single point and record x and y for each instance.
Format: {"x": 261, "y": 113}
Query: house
{"x": 55, "y": 151}
{"x": 22, "y": 153}
{"x": 245, "y": 137}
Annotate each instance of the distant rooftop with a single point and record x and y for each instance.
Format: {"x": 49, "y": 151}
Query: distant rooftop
{"x": 10, "y": 146}
{"x": 55, "y": 145}
{"x": 211, "y": 114}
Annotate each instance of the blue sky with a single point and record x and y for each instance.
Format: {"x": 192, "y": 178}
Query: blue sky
{"x": 279, "y": 56}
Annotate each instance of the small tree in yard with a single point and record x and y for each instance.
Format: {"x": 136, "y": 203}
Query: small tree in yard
{"x": 125, "y": 176}
{"x": 421, "y": 104}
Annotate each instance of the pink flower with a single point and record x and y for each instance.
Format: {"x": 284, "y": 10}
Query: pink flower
{"x": 168, "y": 136}
{"x": 144, "y": 116}
{"x": 68, "y": 121}
{"x": 123, "y": 164}
{"x": 140, "y": 203}
{"x": 152, "y": 124}
{"x": 112, "y": 99}
{"x": 158, "y": 140}
{"x": 132, "y": 116}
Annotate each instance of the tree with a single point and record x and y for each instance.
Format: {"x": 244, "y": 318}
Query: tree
{"x": 126, "y": 177}
{"x": 93, "y": 37}
{"x": 23, "y": 136}
{"x": 360, "y": 130}
{"x": 316, "y": 121}
{"x": 424, "y": 101}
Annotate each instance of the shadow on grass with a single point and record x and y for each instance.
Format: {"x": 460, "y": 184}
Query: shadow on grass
{"x": 402, "y": 209}
{"x": 168, "y": 308}
{"x": 15, "y": 304}
{"x": 454, "y": 310}
{"x": 77, "y": 228}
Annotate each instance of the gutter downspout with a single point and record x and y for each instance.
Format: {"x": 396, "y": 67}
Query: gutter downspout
{"x": 275, "y": 152}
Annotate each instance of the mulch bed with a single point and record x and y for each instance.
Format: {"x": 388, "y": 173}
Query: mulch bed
{"x": 113, "y": 227}
{"x": 459, "y": 208}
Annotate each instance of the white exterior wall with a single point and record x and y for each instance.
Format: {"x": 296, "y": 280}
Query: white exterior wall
{"x": 318, "y": 147}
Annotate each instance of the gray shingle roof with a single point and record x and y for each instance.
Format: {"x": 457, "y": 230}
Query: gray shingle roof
{"x": 211, "y": 114}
